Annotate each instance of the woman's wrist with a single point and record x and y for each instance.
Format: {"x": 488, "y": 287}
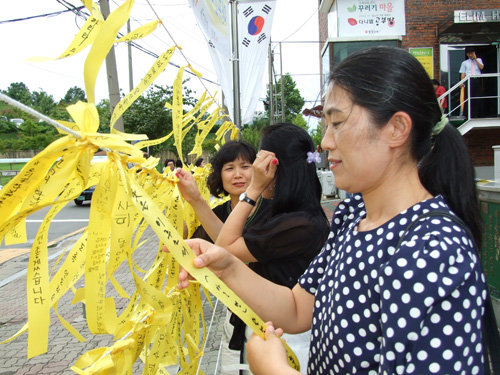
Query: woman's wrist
{"x": 196, "y": 201}
{"x": 230, "y": 270}
{"x": 254, "y": 193}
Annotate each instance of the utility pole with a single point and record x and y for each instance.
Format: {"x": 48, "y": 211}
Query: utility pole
{"x": 282, "y": 87}
{"x": 129, "y": 48}
{"x": 113, "y": 88}
{"x": 235, "y": 56}
{"x": 271, "y": 85}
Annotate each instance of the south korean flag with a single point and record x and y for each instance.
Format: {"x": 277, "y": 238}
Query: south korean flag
{"x": 254, "y": 23}
{"x": 254, "y": 35}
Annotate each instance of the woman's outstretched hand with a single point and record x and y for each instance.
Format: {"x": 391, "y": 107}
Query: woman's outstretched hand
{"x": 268, "y": 356}
{"x": 187, "y": 185}
{"x": 216, "y": 258}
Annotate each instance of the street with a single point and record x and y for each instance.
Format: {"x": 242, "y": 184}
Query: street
{"x": 72, "y": 219}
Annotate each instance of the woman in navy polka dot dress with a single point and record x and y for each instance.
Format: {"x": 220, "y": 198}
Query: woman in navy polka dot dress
{"x": 377, "y": 305}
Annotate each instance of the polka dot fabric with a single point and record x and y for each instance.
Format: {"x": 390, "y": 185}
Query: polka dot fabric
{"x": 384, "y": 310}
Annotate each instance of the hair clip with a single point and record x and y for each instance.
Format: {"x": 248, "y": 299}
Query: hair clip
{"x": 313, "y": 157}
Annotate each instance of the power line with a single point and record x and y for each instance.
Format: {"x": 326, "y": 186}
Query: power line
{"x": 289, "y": 36}
{"x": 182, "y": 53}
{"x": 41, "y": 15}
{"x": 189, "y": 61}
{"x": 71, "y": 8}
{"x": 297, "y": 41}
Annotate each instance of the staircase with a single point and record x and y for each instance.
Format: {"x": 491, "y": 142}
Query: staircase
{"x": 466, "y": 123}
{"x": 479, "y": 123}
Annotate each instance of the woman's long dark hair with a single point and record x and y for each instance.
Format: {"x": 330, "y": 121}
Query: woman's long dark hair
{"x": 385, "y": 80}
{"x": 297, "y": 184}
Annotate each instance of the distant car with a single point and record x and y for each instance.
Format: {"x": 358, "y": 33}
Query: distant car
{"x": 86, "y": 195}
{"x": 17, "y": 121}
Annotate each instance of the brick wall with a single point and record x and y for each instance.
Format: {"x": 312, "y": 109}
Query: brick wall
{"x": 480, "y": 142}
{"x": 422, "y": 20}
{"x": 424, "y": 16}
{"x": 323, "y": 28}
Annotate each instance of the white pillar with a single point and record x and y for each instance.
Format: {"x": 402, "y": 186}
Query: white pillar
{"x": 496, "y": 162}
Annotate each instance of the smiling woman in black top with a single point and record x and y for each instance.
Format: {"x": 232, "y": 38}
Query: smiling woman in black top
{"x": 281, "y": 247}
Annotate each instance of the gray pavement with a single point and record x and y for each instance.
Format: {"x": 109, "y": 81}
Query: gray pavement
{"x": 63, "y": 348}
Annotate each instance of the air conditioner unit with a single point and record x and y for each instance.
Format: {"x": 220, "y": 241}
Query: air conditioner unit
{"x": 327, "y": 180}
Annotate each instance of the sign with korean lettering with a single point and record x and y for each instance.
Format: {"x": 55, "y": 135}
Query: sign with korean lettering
{"x": 425, "y": 56}
{"x": 477, "y": 16}
{"x": 371, "y": 18}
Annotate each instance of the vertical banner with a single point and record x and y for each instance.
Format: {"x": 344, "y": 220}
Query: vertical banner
{"x": 254, "y": 32}
{"x": 213, "y": 17}
{"x": 425, "y": 56}
{"x": 371, "y": 18}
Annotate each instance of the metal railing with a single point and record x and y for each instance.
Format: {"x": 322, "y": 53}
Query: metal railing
{"x": 464, "y": 102}
{"x": 7, "y": 174}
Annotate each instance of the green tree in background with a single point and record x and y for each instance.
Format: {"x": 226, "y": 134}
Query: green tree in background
{"x": 29, "y": 136}
{"x": 293, "y": 100}
{"x": 43, "y": 103}
{"x": 316, "y": 134}
{"x": 30, "y": 128}
{"x": 251, "y": 133}
{"x": 74, "y": 95}
{"x": 20, "y": 92}
{"x": 148, "y": 115}
{"x": 300, "y": 121}
{"x": 104, "y": 111}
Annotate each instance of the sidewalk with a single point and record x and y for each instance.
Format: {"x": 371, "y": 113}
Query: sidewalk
{"x": 63, "y": 348}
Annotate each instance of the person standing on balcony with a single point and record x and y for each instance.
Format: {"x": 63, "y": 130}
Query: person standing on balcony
{"x": 473, "y": 66}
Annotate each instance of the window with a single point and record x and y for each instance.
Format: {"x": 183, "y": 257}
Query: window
{"x": 343, "y": 49}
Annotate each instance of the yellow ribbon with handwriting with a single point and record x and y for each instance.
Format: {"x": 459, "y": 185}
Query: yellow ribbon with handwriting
{"x": 85, "y": 36}
{"x": 160, "y": 324}
{"x": 157, "y": 68}
{"x": 140, "y": 32}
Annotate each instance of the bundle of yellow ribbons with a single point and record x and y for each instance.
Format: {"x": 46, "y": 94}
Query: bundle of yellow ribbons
{"x": 160, "y": 324}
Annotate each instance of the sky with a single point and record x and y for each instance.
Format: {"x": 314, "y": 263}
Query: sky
{"x": 295, "y": 25}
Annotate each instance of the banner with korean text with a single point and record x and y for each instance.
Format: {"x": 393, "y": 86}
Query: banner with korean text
{"x": 370, "y": 18}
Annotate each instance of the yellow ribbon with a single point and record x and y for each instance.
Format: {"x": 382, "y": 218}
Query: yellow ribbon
{"x": 157, "y": 68}
{"x": 140, "y": 32}
{"x": 160, "y": 326}
{"x": 85, "y": 36}
{"x": 101, "y": 46}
